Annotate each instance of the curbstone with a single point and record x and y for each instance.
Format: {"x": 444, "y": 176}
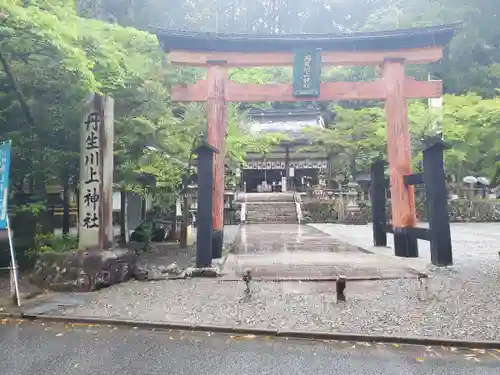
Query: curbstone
{"x": 311, "y": 335}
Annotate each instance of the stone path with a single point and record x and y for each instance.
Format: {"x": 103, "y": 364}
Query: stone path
{"x": 291, "y": 251}
{"x": 472, "y": 243}
{"x": 463, "y": 301}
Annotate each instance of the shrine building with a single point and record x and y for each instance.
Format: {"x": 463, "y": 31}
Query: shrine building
{"x": 290, "y": 164}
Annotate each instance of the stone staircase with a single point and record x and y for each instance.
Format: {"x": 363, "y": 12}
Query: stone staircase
{"x": 270, "y": 208}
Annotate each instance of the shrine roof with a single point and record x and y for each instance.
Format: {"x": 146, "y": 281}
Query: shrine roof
{"x": 264, "y": 115}
{"x": 360, "y": 41}
{"x": 287, "y": 121}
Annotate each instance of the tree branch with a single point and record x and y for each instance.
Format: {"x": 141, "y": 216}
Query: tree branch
{"x": 17, "y": 89}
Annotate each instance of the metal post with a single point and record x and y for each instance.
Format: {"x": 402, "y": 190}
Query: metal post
{"x": 437, "y": 200}
{"x": 378, "y": 199}
{"x": 204, "y": 233}
{"x": 13, "y": 264}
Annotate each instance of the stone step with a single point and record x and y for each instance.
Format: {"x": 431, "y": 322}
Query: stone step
{"x": 265, "y": 197}
{"x": 284, "y": 214}
{"x": 271, "y": 213}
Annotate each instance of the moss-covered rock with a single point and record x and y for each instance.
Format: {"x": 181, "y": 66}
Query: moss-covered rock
{"x": 82, "y": 270}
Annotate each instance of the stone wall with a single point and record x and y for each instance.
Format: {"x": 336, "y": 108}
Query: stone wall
{"x": 460, "y": 210}
{"x": 83, "y": 271}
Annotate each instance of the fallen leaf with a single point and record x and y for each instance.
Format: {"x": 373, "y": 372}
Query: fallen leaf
{"x": 243, "y": 337}
{"x": 395, "y": 345}
{"x": 495, "y": 356}
{"x": 84, "y": 325}
{"x": 419, "y": 359}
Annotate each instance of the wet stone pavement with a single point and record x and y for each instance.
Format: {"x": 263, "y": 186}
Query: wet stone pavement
{"x": 297, "y": 252}
{"x": 462, "y": 302}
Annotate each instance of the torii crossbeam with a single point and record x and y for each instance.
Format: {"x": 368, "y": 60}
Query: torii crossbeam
{"x": 391, "y": 50}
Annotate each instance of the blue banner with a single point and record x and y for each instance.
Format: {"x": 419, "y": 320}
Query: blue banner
{"x": 5, "y": 148}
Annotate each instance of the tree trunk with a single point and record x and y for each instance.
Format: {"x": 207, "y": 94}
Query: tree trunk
{"x": 185, "y": 194}
{"x": 22, "y": 101}
{"x": 185, "y": 220}
{"x": 496, "y": 177}
{"x": 329, "y": 176}
{"x": 123, "y": 217}
{"x": 353, "y": 168}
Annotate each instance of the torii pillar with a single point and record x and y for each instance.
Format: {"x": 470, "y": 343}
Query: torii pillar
{"x": 217, "y": 128}
{"x": 399, "y": 156}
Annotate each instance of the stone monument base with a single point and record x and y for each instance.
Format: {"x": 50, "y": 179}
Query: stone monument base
{"x": 83, "y": 270}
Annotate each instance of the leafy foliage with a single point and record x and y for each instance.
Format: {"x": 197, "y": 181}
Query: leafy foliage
{"x": 48, "y": 242}
{"x": 53, "y": 53}
{"x": 52, "y": 59}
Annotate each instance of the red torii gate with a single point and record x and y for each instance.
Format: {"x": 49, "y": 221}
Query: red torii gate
{"x": 391, "y": 50}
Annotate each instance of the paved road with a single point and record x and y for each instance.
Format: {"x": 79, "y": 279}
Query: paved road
{"x": 33, "y": 348}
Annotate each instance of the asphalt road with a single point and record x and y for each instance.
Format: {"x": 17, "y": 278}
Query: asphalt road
{"x": 36, "y": 348}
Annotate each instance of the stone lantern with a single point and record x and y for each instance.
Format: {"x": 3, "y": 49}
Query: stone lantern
{"x": 352, "y": 195}
{"x": 353, "y": 214}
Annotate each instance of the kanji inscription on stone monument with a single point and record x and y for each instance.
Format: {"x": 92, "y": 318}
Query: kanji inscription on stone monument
{"x": 96, "y": 171}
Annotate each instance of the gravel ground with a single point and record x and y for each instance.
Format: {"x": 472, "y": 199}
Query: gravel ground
{"x": 463, "y": 301}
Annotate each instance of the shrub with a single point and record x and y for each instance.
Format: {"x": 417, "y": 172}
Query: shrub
{"x": 49, "y": 242}
{"x": 460, "y": 210}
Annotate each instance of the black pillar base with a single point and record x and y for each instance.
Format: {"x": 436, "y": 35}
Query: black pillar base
{"x": 217, "y": 242}
{"x": 379, "y": 236}
{"x": 405, "y": 245}
{"x": 378, "y": 199}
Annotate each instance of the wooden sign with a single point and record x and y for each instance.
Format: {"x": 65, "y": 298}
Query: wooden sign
{"x": 306, "y": 73}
